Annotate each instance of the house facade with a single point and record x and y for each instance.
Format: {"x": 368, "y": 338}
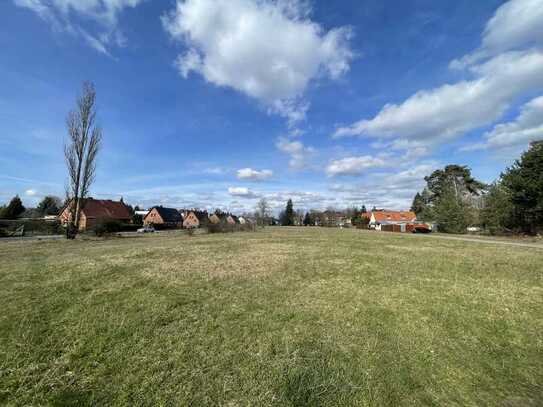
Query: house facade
{"x": 190, "y": 220}
{"x": 161, "y": 216}
{"x": 401, "y": 219}
{"x": 93, "y": 210}
{"x": 214, "y": 219}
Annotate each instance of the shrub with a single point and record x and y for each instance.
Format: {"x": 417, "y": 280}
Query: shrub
{"x": 217, "y": 228}
{"x": 107, "y": 226}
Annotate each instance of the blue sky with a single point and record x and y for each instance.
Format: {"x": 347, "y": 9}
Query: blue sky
{"x": 218, "y": 103}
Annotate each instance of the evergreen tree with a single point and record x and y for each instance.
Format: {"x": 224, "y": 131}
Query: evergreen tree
{"x": 287, "y": 218}
{"x": 50, "y": 205}
{"x": 14, "y": 208}
{"x": 363, "y": 210}
{"x": 524, "y": 182}
{"x": 451, "y": 212}
{"x": 497, "y": 214}
{"x": 418, "y": 204}
{"x": 307, "y": 220}
{"x": 453, "y": 178}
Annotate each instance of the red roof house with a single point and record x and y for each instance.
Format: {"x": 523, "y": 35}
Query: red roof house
{"x": 94, "y": 209}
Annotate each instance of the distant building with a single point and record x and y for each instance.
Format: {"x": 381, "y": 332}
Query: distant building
{"x": 93, "y": 210}
{"x": 214, "y": 219}
{"x": 159, "y": 215}
{"x": 190, "y": 220}
{"x": 381, "y": 218}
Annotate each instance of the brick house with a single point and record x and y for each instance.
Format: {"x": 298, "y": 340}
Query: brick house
{"x": 190, "y": 220}
{"x": 93, "y": 210}
{"x": 161, "y": 216}
{"x": 214, "y": 219}
{"x": 194, "y": 218}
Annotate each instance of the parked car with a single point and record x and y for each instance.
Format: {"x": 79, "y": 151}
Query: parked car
{"x": 146, "y": 229}
{"x": 422, "y": 229}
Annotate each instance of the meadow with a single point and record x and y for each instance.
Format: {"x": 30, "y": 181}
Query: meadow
{"x": 282, "y": 316}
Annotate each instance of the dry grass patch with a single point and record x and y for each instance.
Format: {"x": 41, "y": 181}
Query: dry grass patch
{"x": 285, "y": 316}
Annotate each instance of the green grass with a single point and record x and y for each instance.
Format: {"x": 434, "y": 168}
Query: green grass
{"x": 287, "y": 316}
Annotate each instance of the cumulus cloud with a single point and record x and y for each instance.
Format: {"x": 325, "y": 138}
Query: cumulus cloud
{"x": 527, "y": 127}
{"x": 268, "y": 50}
{"x": 242, "y": 192}
{"x": 254, "y": 175}
{"x": 508, "y": 65}
{"x": 354, "y": 165}
{"x": 30, "y": 192}
{"x": 298, "y": 152}
{"x": 65, "y": 15}
{"x": 450, "y": 110}
{"x": 516, "y": 24}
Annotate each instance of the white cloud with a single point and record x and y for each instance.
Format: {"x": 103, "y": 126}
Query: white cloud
{"x": 299, "y": 154}
{"x": 65, "y": 15}
{"x": 528, "y": 126}
{"x": 450, "y": 110}
{"x": 254, "y": 175}
{"x": 507, "y": 65}
{"x": 30, "y": 192}
{"x": 516, "y": 24}
{"x": 354, "y": 165}
{"x": 242, "y": 192}
{"x": 268, "y": 50}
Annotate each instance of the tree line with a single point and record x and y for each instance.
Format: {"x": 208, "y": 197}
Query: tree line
{"x": 513, "y": 203}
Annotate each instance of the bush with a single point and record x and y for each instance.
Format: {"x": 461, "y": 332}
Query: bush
{"x": 224, "y": 227}
{"x": 107, "y": 226}
{"x": 217, "y": 228}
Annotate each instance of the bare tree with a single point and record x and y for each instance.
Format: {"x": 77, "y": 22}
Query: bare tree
{"x": 262, "y": 212}
{"x": 80, "y": 152}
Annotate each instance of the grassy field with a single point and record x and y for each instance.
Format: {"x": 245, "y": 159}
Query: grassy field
{"x": 286, "y": 316}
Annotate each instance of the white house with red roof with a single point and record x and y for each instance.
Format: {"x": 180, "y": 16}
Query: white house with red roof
{"x": 379, "y": 218}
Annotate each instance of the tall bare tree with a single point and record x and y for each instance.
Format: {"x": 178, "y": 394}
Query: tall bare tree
{"x": 262, "y": 212}
{"x": 80, "y": 151}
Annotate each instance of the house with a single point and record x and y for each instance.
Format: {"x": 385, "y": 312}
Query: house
{"x": 242, "y": 220}
{"x": 214, "y": 219}
{"x": 382, "y": 218}
{"x": 93, "y": 210}
{"x": 231, "y": 219}
{"x": 159, "y": 215}
{"x": 190, "y": 220}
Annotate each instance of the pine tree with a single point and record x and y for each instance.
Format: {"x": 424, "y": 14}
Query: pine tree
{"x": 451, "y": 212}
{"x": 524, "y": 181}
{"x": 50, "y": 205}
{"x": 307, "y": 219}
{"x": 14, "y": 208}
{"x": 418, "y": 204}
{"x": 497, "y": 213}
{"x": 287, "y": 218}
